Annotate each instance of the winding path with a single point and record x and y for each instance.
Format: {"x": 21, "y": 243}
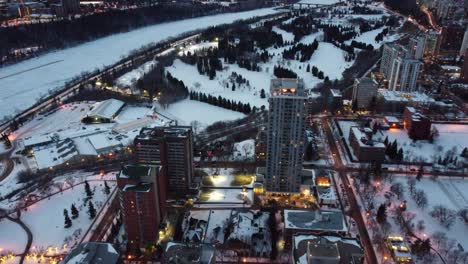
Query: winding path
{"x": 17, "y": 220}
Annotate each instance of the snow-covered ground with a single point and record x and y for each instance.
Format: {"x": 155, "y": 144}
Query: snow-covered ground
{"x": 45, "y": 218}
{"x": 65, "y": 123}
{"x": 445, "y": 191}
{"x": 452, "y": 137}
{"x": 244, "y": 150}
{"x": 369, "y": 38}
{"x": 187, "y": 110}
{"x": 130, "y": 78}
{"x": 23, "y": 89}
{"x": 321, "y": 2}
{"x": 197, "y": 47}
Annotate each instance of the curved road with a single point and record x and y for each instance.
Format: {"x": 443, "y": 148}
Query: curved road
{"x": 26, "y": 229}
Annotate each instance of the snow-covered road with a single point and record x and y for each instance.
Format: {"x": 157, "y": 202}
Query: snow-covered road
{"x": 25, "y": 82}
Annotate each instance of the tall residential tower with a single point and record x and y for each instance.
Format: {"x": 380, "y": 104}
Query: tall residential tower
{"x": 286, "y": 135}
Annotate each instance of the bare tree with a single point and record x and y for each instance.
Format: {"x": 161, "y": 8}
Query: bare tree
{"x": 398, "y": 189}
{"x": 195, "y": 126}
{"x": 420, "y": 198}
{"x": 444, "y": 215}
{"x": 411, "y": 184}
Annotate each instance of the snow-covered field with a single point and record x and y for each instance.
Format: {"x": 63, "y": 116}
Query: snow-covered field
{"x": 445, "y": 191}
{"x": 187, "y": 110}
{"x": 320, "y": 2}
{"x": 452, "y": 137}
{"x": 45, "y": 218}
{"x": 65, "y": 123}
{"x": 22, "y": 90}
{"x": 244, "y": 150}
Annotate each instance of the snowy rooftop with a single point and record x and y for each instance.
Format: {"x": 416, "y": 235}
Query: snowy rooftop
{"x": 101, "y": 143}
{"x": 186, "y": 253}
{"x": 330, "y": 220}
{"x": 363, "y": 139}
{"x": 404, "y": 96}
{"x": 349, "y": 249}
{"x": 93, "y": 252}
{"x": 106, "y": 109}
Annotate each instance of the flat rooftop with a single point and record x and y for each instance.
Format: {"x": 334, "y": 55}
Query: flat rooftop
{"x": 319, "y": 220}
{"x": 189, "y": 253}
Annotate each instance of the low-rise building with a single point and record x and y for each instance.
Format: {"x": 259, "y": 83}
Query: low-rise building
{"x": 364, "y": 148}
{"x": 396, "y": 101}
{"x": 417, "y": 124}
{"x": 200, "y": 253}
{"x": 93, "y": 252}
{"x": 313, "y": 222}
{"x": 104, "y": 112}
{"x": 312, "y": 249}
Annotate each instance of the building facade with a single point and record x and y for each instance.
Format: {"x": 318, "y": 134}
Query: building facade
{"x": 464, "y": 69}
{"x": 286, "y": 135}
{"x": 416, "y": 46}
{"x": 143, "y": 203}
{"x": 404, "y": 74}
{"x": 71, "y": 7}
{"x": 364, "y": 90}
{"x": 417, "y": 124}
{"x": 364, "y": 148}
{"x": 390, "y": 53}
{"x": 431, "y": 48}
{"x": 171, "y": 147}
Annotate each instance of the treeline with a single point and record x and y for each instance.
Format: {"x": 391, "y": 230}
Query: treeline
{"x": 392, "y": 150}
{"x": 300, "y": 27}
{"x": 222, "y": 102}
{"x": 281, "y": 72}
{"x": 317, "y": 73}
{"x": 306, "y": 51}
{"x": 381, "y": 35}
{"x": 62, "y": 33}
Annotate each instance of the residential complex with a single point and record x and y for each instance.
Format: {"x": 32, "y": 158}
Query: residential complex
{"x": 364, "y": 91}
{"x": 142, "y": 191}
{"x": 286, "y": 135}
{"x": 171, "y": 147}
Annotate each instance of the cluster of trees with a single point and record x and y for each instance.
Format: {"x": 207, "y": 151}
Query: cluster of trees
{"x": 340, "y": 34}
{"x": 445, "y": 216}
{"x": 209, "y": 65}
{"x": 357, "y": 9}
{"x": 301, "y": 27}
{"x": 221, "y": 102}
{"x": 381, "y": 35}
{"x": 361, "y": 45}
{"x": 238, "y": 79}
{"x": 306, "y": 51}
{"x": 392, "y": 150}
{"x": 91, "y": 210}
{"x": 317, "y": 73}
{"x": 281, "y": 72}
{"x": 61, "y": 33}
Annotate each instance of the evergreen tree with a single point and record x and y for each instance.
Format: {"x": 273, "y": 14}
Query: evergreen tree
{"x": 320, "y": 75}
{"x": 420, "y": 173}
{"x": 106, "y": 188}
{"x": 88, "y": 191}
{"x": 381, "y": 214}
{"x": 91, "y": 210}
{"x": 74, "y": 212}
{"x": 233, "y": 88}
{"x": 400, "y": 155}
{"x": 68, "y": 222}
{"x": 386, "y": 141}
{"x": 308, "y": 68}
{"x": 314, "y": 71}
{"x": 262, "y": 94}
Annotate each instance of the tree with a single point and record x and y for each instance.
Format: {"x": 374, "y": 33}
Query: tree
{"x": 420, "y": 198}
{"x": 308, "y": 68}
{"x": 88, "y": 191}
{"x": 91, "y": 210}
{"x": 421, "y": 247}
{"x": 68, "y": 222}
{"x": 309, "y": 152}
{"x": 444, "y": 215}
{"x": 106, "y": 188}
{"x": 381, "y": 214}
{"x": 74, "y": 212}
{"x": 262, "y": 94}
{"x": 411, "y": 184}
{"x": 398, "y": 189}
{"x": 420, "y": 173}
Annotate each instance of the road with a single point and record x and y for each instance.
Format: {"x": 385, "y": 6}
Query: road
{"x": 354, "y": 210}
{"x": 17, "y": 220}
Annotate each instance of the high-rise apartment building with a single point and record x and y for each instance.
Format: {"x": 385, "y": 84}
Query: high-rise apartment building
{"x": 404, "y": 75}
{"x": 364, "y": 89}
{"x": 390, "y": 52}
{"x": 464, "y": 69}
{"x": 142, "y": 191}
{"x": 451, "y": 39}
{"x": 71, "y": 7}
{"x": 416, "y": 46}
{"x": 431, "y": 48}
{"x": 286, "y": 135}
{"x": 464, "y": 44}
{"x": 171, "y": 147}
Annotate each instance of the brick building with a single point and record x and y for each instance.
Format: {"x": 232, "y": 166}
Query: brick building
{"x": 417, "y": 125}
{"x": 171, "y": 147}
{"x": 143, "y": 203}
{"x": 364, "y": 148}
